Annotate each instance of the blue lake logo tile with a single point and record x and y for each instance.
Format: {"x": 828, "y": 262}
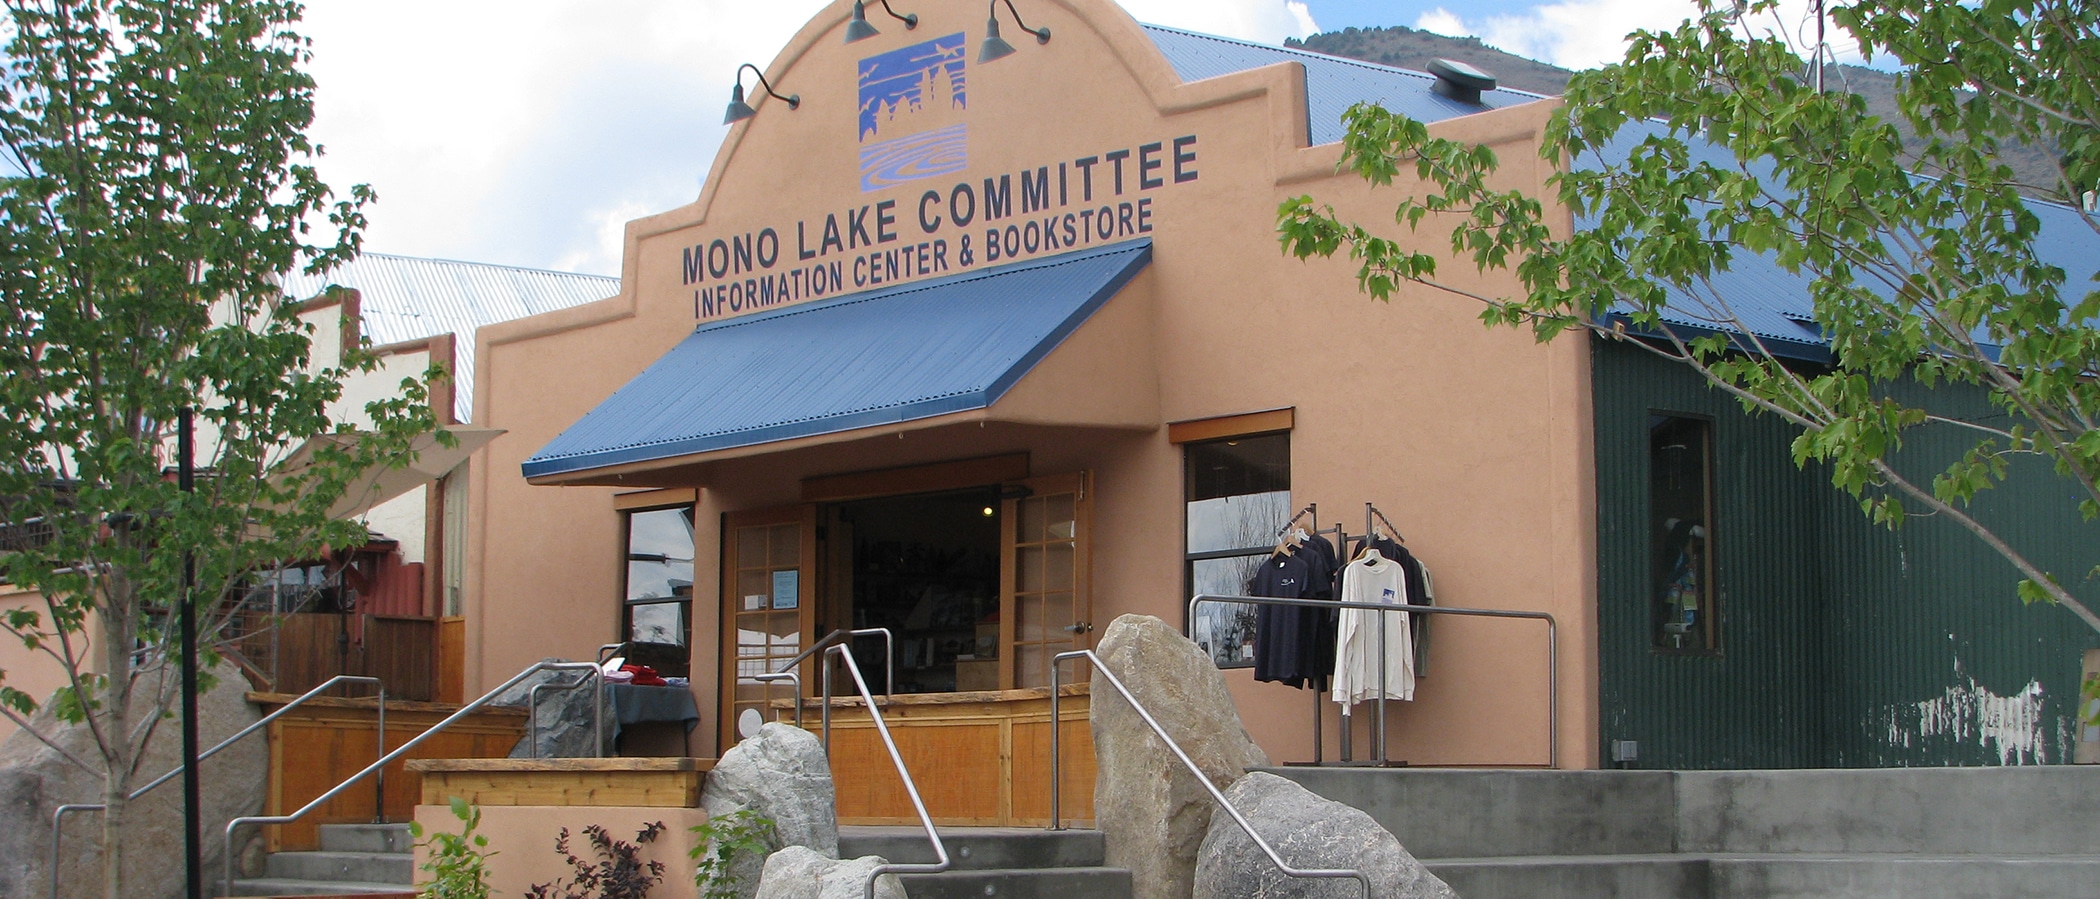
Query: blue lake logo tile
{"x": 912, "y": 105}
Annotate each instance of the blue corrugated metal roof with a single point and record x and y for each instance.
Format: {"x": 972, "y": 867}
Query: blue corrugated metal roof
{"x": 406, "y": 298}
{"x": 1332, "y": 84}
{"x": 1774, "y": 304}
{"x": 892, "y": 354}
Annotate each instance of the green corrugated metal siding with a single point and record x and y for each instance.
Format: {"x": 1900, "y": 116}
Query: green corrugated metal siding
{"x": 1756, "y": 704}
{"x": 1936, "y": 655}
{"x": 1843, "y": 644}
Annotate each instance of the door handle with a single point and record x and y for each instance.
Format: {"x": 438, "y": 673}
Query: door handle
{"x": 1083, "y": 627}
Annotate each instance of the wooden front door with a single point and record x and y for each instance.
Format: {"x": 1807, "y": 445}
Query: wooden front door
{"x": 1044, "y": 600}
{"x": 769, "y": 614}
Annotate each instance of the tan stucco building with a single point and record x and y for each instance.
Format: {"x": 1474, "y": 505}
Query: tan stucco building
{"x": 1031, "y": 291}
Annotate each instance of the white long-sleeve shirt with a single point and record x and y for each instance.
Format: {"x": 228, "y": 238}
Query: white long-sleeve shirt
{"x": 1373, "y": 579}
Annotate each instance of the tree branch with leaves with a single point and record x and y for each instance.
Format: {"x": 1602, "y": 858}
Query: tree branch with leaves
{"x": 156, "y": 186}
{"x": 1706, "y": 146}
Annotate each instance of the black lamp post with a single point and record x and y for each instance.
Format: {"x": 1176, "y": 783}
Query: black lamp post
{"x": 192, "y": 791}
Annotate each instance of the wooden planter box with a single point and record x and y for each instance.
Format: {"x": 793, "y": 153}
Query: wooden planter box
{"x": 597, "y": 783}
{"x": 978, "y": 758}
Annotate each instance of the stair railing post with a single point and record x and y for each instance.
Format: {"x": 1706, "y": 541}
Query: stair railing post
{"x": 1057, "y": 756}
{"x": 232, "y": 826}
{"x": 1216, "y": 795}
{"x": 379, "y": 780}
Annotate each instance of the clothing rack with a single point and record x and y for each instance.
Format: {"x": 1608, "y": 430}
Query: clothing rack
{"x": 1369, "y": 512}
{"x": 1373, "y": 517}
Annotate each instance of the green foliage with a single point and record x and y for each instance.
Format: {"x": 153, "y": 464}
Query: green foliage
{"x": 2089, "y": 700}
{"x": 615, "y": 872}
{"x": 722, "y": 842}
{"x": 155, "y": 187}
{"x": 1706, "y": 142}
{"x": 458, "y": 864}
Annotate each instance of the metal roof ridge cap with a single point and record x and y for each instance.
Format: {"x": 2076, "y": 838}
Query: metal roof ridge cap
{"x": 1323, "y": 57}
{"x": 877, "y": 293}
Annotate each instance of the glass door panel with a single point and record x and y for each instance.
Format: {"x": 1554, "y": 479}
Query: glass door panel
{"x": 1044, "y": 587}
{"x": 767, "y": 606}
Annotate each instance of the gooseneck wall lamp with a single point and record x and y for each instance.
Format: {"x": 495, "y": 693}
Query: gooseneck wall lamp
{"x": 740, "y": 110}
{"x": 996, "y": 47}
{"x": 858, "y": 28}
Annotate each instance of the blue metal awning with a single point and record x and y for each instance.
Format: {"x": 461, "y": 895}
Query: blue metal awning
{"x": 918, "y": 350}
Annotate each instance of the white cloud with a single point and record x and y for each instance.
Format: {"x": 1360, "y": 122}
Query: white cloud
{"x": 1581, "y": 34}
{"x": 509, "y": 131}
{"x": 1443, "y": 21}
{"x": 1269, "y": 21}
{"x": 527, "y": 132}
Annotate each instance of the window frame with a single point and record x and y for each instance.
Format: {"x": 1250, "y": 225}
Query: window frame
{"x": 1709, "y": 568}
{"x": 625, "y": 634}
{"x": 1189, "y": 559}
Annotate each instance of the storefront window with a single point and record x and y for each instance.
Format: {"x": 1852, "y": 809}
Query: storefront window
{"x": 1680, "y": 463}
{"x": 1238, "y": 492}
{"x": 659, "y": 601}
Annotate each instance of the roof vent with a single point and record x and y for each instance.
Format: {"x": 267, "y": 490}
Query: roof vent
{"x": 1459, "y": 81}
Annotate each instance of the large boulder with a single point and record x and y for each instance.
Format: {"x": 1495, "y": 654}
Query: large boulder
{"x": 799, "y": 872}
{"x": 1152, "y": 810}
{"x": 35, "y": 779}
{"x": 1308, "y": 831}
{"x": 782, "y": 775}
{"x": 564, "y": 716}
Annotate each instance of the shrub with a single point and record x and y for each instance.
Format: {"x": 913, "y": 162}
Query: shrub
{"x": 458, "y": 864}
{"x": 617, "y": 873}
{"x": 723, "y": 841}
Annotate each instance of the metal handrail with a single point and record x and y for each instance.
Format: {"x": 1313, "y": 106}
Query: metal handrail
{"x": 940, "y": 850}
{"x": 597, "y": 747}
{"x": 1552, "y": 648}
{"x": 58, "y": 815}
{"x": 1056, "y": 772}
{"x": 786, "y": 670}
{"x": 790, "y": 677}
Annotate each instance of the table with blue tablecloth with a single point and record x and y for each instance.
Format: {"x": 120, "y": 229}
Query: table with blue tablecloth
{"x": 635, "y": 704}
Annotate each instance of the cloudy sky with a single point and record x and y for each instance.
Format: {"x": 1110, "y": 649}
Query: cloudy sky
{"x": 528, "y": 132}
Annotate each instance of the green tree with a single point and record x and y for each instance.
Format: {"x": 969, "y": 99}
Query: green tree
{"x": 1708, "y": 144}
{"x": 155, "y": 188}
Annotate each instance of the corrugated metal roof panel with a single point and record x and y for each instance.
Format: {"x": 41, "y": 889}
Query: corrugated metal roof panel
{"x": 1773, "y": 303}
{"x": 1332, "y": 84}
{"x": 407, "y": 298}
{"x": 893, "y": 354}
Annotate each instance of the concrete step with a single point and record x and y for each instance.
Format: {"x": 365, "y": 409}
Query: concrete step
{"x": 366, "y": 838}
{"x": 1770, "y": 876}
{"x": 979, "y": 848}
{"x": 1874, "y": 876}
{"x": 1474, "y": 813}
{"x": 1574, "y": 876}
{"x": 1021, "y": 883}
{"x": 315, "y": 889}
{"x": 354, "y": 867}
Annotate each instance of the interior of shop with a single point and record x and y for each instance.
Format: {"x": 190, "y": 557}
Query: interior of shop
{"x": 927, "y": 568}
